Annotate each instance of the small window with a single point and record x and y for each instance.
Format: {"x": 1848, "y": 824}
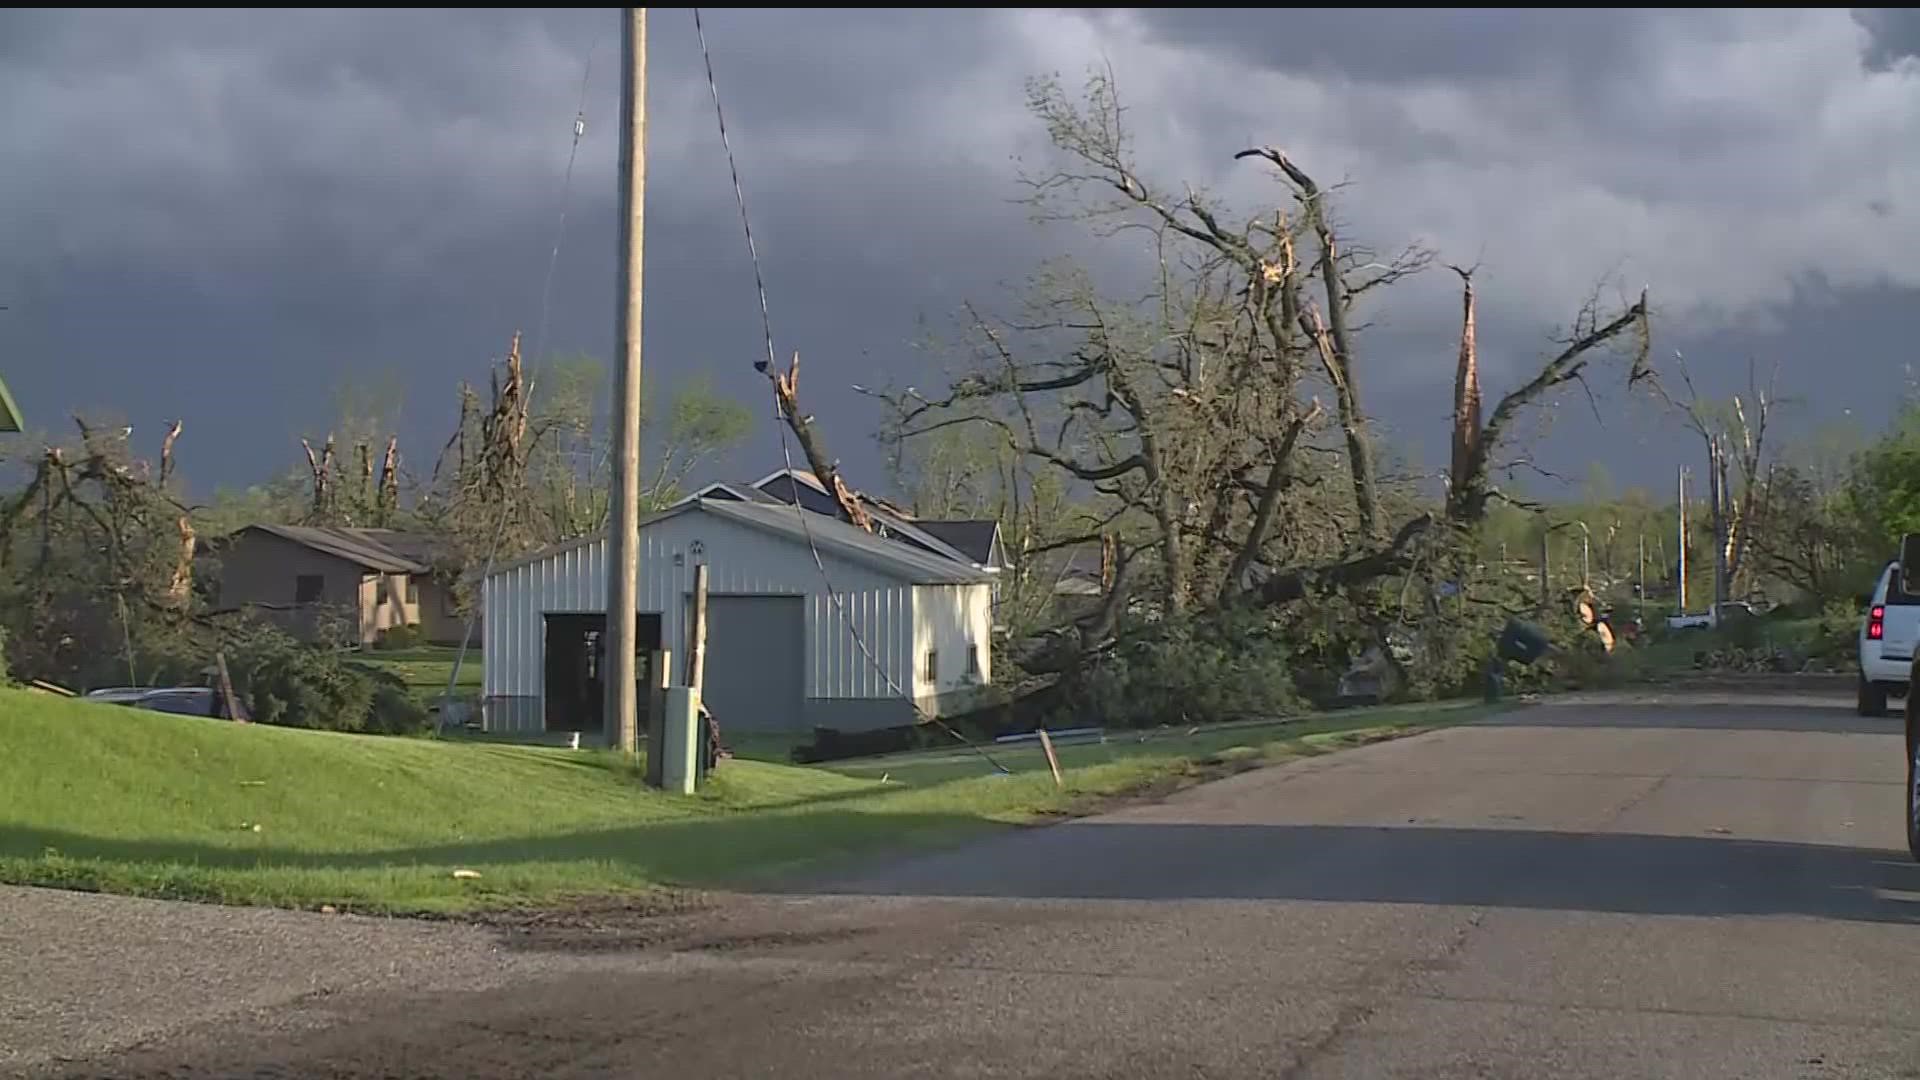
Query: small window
{"x": 383, "y": 593}
{"x": 413, "y": 592}
{"x": 973, "y": 661}
{"x": 308, "y": 588}
{"x": 1898, "y": 593}
{"x": 932, "y": 671}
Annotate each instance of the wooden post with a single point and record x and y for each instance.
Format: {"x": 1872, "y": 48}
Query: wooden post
{"x": 697, "y": 634}
{"x": 1053, "y": 761}
{"x": 229, "y": 704}
{"x": 697, "y": 673}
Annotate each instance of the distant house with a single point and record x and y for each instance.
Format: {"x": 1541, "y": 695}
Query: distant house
{"x": 304, "y": 577}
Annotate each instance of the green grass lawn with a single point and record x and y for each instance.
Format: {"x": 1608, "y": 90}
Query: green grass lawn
{"x": 115, "y": 799}
{"x": 425, "y": 669}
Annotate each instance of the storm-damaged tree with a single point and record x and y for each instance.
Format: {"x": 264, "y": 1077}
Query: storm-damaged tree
{"x": 343, "y": 486}
{"x": 531, "y": 466}
{"x": 1185, "y": 412}
{"x": 1192, "y": 411}
{"x": 96, "y": 559}
{"x": 356, "y": 500}
{"x": 1734, "y": 436}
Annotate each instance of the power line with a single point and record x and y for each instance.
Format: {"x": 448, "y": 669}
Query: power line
{"x": 539, "y": 343}
{"x": 786, "y": 453}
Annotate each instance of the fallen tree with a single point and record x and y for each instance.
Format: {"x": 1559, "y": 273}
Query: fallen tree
{"x": 1192, "y": 415}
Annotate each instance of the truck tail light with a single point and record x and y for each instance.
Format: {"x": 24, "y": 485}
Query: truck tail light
{"x": 1876, "y": 623}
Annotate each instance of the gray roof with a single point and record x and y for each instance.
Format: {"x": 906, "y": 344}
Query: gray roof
{"x": 888, "y": 523}
{"x": 974, "y": 539}
{"x": 373, "y": 549}
{"x": 829, "y": 534}
{"x": 720, "y": 489}
{"x": 921, "y": 567}
{"x": 891, "y": 526}
{"x": 418, "y": 547}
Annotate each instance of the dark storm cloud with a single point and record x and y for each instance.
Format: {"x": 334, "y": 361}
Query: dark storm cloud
{"x": 223, "y": 215}
{"x": 1895, "y": 33}
{"x": 296, "y": 199}
{"x": 1414, "y": 44}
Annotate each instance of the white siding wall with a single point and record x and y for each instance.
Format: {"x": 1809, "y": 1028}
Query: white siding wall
{"x": 948, "y": 619}
{"x": 740, "y": 559}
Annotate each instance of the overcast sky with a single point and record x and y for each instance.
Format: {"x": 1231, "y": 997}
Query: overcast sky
{"x": 226, "y": 216}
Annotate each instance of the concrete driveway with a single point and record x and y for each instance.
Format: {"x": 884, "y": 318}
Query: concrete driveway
{"x": 1644, "y": 887}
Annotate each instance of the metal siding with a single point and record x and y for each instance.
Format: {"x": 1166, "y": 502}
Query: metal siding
{"x": 949, "y": 618}
{"x": 740, "y": 560}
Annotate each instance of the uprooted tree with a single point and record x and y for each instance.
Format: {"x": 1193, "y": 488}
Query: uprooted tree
{"x": 1192, "y": 411}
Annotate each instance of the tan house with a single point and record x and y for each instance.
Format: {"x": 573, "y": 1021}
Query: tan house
{"x": 310, "y": 580}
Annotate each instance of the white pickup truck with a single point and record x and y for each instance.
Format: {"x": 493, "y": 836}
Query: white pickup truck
{"x": 1887, "y": 639}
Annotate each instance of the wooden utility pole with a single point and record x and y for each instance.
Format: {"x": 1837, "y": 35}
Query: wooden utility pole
{"x": 623, "y": 539}
{"x": 1546, "y": 533}
{"x": 1640, "y": 571}
{"x": 1682, "y": 584}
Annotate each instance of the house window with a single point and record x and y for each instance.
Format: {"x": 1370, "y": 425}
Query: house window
{"x": 307, "y": 588}
{"x": 413, "y": 592}
{"x": 973, "y": 661}
{"x": 932, "y": 672}
{"x": 384, "y": 591}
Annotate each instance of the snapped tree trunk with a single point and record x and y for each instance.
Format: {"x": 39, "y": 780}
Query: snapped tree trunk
{"x": 1466, "y": 394}
{"x": 786, "y": 389}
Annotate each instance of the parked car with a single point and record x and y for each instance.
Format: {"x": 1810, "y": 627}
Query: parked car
{"x": 179, "y": 700}
{"x": 1887, "y": 638}
{"x": 1728, "y": 611}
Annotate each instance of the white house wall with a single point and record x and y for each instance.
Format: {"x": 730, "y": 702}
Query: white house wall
{"x": 741, "y": 560}
{"x": 949, "y": 619}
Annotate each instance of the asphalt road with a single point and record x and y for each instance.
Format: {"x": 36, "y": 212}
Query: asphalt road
{"x": 1651, "y": 889}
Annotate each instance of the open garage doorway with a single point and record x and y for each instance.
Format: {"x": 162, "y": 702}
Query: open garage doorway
{"x": 576, "y": 657}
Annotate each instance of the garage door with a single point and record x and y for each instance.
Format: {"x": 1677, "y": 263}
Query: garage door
{"x": 756, "y": 662}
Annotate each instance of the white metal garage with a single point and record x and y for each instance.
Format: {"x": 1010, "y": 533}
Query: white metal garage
{"x": 781, "y": 655}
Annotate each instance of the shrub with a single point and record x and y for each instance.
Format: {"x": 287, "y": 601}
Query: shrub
{"x": 394, "y": 711}
{"x": 1836, "y": 634}
{"x": 395, "y": 638}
